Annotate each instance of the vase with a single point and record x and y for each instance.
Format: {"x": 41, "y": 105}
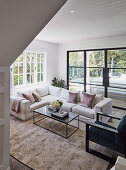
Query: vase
{"x": 57, "y": 110}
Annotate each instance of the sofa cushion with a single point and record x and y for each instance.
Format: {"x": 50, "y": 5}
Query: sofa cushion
{"x": 72, "y": 97}
{"x": 87, "y": 100}
{"x": 64, "y": 94}
{"x": 67, "y": 106}
{"x": 43, "y": 91}
{"x": 37, "y": 105}
{"x": 50, "y": 98}
{"x": 29, "y": 97}
{"x": 55, "y": 91}
{"x": 84, "y": 111}
{"x": 98, "y": 98}
{"x": 36, "y": 96}
{"x": 19, "y": 93}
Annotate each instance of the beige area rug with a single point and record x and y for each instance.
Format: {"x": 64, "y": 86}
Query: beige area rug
{"x": 44, "y": 150}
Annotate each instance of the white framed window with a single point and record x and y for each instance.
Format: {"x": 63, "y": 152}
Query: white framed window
{"x": 30, "y": 65}
{"x": 40, "y": 67}
{"x": 28, "y": 68}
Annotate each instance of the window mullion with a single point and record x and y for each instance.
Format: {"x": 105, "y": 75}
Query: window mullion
{"x": 36, "y": 67}
{"x": 25, "y": 67}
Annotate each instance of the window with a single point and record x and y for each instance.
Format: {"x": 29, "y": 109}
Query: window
{"x": 40, "y": 67}
{"x": 28, "y": 68}
{"x": 30, "y": 60}
{"x": 18, "y": 70}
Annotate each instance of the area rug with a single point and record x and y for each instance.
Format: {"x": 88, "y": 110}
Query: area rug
{"x": 43, "y": 150}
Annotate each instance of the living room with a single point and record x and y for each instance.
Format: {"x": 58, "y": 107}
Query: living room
{"x": 83, "y": 46}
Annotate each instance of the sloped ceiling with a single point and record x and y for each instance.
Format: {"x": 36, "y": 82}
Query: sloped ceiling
{"x": 86, "y": 19}
{"x": 20, "y": 22}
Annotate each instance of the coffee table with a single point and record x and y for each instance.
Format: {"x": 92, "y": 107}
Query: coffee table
{"x": 45, "y": 113}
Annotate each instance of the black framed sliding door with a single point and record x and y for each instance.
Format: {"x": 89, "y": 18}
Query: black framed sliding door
{"x": 100, "y": 71}
{"x": 76, "y": 71}
{"x": 95, "y": 64}
{"x": 116, "y": 63}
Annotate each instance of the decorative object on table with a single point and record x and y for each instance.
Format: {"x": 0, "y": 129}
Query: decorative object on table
{"x": 59, "y": 83}
{"x": 56, "y": 105}
{"x": 60, "y": 114}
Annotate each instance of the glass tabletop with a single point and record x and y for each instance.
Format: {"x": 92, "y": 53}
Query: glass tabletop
{"x": 44, "y": 111}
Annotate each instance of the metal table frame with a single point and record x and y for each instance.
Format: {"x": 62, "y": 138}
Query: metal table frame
{"x": 67, "y": 124}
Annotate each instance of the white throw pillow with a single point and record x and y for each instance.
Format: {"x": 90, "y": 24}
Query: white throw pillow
{"x": 55, "y": 91}
{"x": 64, "y": 94}
{"x": 98, "y": 98}
{"x": 43, "y": 91}
{"x": 19, "y": 93}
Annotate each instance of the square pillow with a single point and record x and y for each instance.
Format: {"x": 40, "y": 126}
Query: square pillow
{"x": 43, "y": 90}
{"x": 64, "y": 94}
{"x": 72, "y": 97}
{"x": 29, "y": 97}
{"x": 55, "y": 91}
{"x": 98, "y": 98}
{"x": 87, "y": 100}
{"x": 36, "y": 96}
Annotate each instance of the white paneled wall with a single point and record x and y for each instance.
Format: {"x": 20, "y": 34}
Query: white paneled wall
{"x": 4, "y": 117}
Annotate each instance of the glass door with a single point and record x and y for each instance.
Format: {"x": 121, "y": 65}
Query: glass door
{"x": 94, "y": 71}
{"x": 76, "y": 71}
{"x": 116, "y": 63}
{"x": 99, "y": 71}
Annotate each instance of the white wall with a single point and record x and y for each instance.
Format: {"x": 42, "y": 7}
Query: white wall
{"x": 85, "y": 44}
{"x": 51, "y": 50}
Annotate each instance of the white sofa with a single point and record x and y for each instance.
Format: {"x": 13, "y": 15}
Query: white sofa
{"x": 50, "y": 93}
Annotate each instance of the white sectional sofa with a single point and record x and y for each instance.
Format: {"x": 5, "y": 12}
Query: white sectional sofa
{"x": 50, "y": 93}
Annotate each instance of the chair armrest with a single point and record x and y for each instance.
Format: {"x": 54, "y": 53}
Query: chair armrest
{"x": 93, "y": 124}
{"x": 104, "y": 114}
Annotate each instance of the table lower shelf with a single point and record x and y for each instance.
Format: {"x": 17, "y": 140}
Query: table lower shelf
{"x": 62, "y": 129}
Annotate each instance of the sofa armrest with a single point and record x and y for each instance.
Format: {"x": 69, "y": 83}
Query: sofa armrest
{"x": 104, "y": 106}
{"x": 24, "y": 108}
{"x": 22, "y": 103}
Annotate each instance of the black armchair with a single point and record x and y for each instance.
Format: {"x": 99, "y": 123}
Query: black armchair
{"x": 107, "y": 136}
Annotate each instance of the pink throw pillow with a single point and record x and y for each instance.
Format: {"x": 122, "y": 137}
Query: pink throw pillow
{"x": 72, "y": 97}
{"x": 87, "y": 100}
{"x": 29, "y": 96}
{"x": 36, "y": 96}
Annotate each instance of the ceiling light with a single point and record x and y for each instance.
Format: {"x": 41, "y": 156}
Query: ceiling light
{"x": 72, "y": 11}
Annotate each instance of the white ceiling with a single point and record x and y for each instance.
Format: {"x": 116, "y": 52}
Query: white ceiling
{"x": 91, "y": 19}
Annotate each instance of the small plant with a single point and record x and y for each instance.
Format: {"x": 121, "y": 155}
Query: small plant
{"x": 59, "y": 83}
